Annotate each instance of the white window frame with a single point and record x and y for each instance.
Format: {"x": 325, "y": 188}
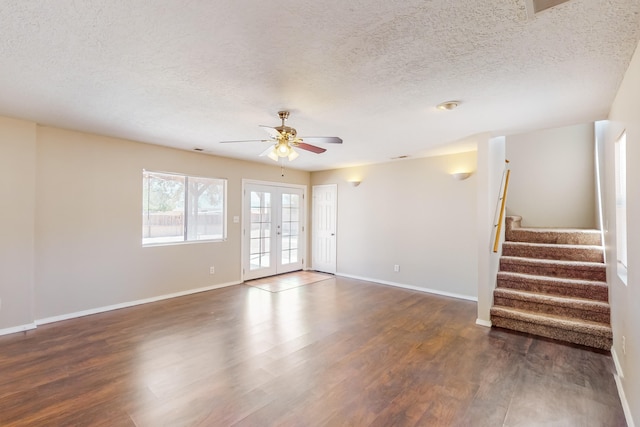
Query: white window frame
{"x": 185, "y": 235}
{"x": 620, "y": 148}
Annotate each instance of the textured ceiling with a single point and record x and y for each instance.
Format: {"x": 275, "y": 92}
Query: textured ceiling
{"x": 189, "y": 73}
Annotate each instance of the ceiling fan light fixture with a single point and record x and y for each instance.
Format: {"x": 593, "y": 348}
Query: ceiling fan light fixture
{"x": 284, "y": 139}
{"x": 283, "y": 149}
{"x": 273, "y": 154}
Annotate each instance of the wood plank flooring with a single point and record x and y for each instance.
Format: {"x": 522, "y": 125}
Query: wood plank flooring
{"x": 284, "y": 282}
{"x": 337, "y": 352}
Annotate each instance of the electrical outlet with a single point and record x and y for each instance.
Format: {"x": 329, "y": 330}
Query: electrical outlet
{"x": 212, "y": 270}
{"x": 624, "y": 345}
{"x": 396, "y": 268}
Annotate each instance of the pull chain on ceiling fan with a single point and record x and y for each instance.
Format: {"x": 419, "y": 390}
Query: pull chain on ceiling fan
{"x": 285, "y": 139}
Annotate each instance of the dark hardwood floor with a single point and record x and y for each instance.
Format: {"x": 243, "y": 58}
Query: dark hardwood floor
{"x": 336, "y": 352}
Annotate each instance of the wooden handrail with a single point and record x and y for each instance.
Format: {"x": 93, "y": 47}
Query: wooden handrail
{"x": 501, "y": 217}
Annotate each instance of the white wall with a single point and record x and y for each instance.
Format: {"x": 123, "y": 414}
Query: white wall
{"x": 87, "y": 192}
{"x": 410, "y": 213}
{"x": 553, "y": 177}
{"x": 625, "y": 299}
{"x": 491, "y": 167}
{"x": 17, "y": 193}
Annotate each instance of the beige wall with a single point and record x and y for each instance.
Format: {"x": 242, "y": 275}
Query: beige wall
{"x": 552, "y": 180}
{"x": 410, "y": 213}
{"x": 625, "y": 299}
{"x": 491, "y": 167}
{"x": 87, "y": 192}
{"x": 17, "y": 193}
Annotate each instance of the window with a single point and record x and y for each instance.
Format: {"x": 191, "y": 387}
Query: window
{"x": 621, "y": 204}
{"x": 179, "y": 208}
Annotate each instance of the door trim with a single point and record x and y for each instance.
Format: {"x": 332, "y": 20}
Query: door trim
{"x": 305, "y": 217}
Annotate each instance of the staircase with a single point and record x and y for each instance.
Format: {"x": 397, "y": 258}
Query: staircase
{"x": 552, "y": 283}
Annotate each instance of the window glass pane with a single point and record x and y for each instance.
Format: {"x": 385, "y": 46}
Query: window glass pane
{"x": 294, "y": 214}
{"x": 264, "y": 261}
{"x": 295, "y": 201}
{"x": 205, "y": 220}
{"x": 255, "y": 230}
{"x": 177, "y": 208}
{"x": 255, "y": 246}
{"x": 254, "y": 262}
{"x": 285, "y": 257}
{"x": 266, "y": 215}
{"x": 621, "y": 200}
{"x": 163, "y": 208}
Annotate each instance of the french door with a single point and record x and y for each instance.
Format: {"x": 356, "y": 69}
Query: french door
{"x": 273, "y": 230}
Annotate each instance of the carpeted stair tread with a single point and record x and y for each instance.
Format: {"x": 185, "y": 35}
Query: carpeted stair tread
{"x": 561, "y": 301}
{"x": 583, "y": 264}
{"x": 579, "y": 288}
{"x": 555, "y": 321}
{"x": 514, "y": 232}
{"x": 591, "y": 334}
{"x": 588, "y": 253}
{"x": 545, "y": 304}
{"x": 554, "y": 268}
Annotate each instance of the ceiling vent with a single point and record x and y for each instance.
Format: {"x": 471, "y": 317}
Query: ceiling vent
{"x": 537, "y": 6}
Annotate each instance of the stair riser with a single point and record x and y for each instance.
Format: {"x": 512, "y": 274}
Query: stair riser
{"x": 578, "y": 313}
{"x": 596, "y": 293}
{"x": 596, "y": 274}
{"x": 560, "y": 253}
{"x": 594, "y": 341}
{"x": 558, "y": 237}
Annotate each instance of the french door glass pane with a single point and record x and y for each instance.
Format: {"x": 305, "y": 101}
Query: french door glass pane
{"x": 260, "y": 237}
{"x": 290, "y": 228}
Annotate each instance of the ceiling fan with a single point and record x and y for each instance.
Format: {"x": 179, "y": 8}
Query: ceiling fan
{"x": 285, "y": 139}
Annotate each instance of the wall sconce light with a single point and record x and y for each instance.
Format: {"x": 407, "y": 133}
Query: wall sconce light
{"x": 461, "y": 176}
{"x": 355, "y": 183}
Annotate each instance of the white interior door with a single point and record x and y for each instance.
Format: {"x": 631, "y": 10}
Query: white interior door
{"x": 273, "y": 230}
{"x": 325, "y": 203}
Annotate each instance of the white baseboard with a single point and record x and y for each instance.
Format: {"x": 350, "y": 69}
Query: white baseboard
{"x": 616, "y": 361}
{"x": 411, "y": 287}
{"x": 486, "y": 323}
{"x": 129, "y": 304}
{"x": 619, "y": 377}
{"x": 16, "y": 329}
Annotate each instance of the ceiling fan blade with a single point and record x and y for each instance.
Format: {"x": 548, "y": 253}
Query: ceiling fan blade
{"x": 246, "y": 140}
{"x": 310, "y": 147}
{"x": 272, "y": 131}
{"x": 267, "y": 151}
{"x": 323, "y": 139}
